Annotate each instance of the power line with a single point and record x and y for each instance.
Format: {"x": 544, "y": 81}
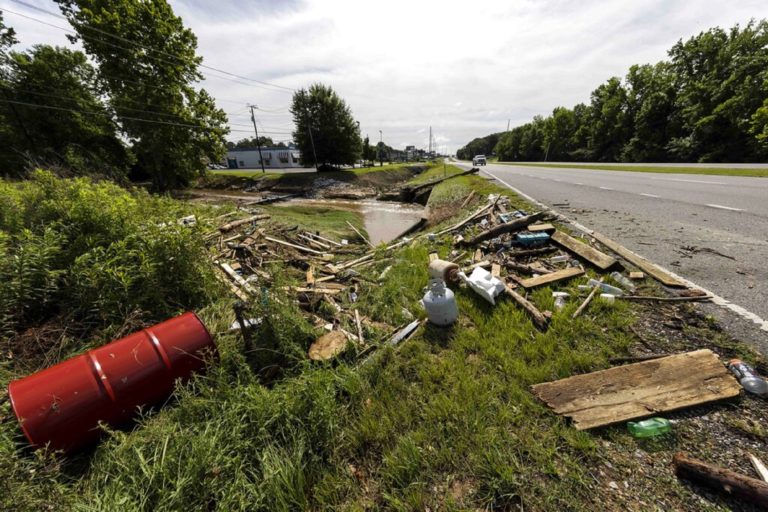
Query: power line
{"x": 138, "y": 119}
{"x": 278, "y": 88}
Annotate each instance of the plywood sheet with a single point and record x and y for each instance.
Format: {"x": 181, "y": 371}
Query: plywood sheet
{"x": 637, "y": 390}
{"x": 592, "y": 255}
{"x": 551, "y": 278}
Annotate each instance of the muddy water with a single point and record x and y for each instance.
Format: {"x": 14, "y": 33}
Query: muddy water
{"x": 383, "y": 220}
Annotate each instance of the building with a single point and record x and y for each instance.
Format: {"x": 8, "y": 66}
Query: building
{"x": 274, "y": 158}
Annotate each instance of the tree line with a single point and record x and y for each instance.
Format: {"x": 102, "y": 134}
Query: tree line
{"x": 707, "y": 103}
{"x": 126, "y": 107}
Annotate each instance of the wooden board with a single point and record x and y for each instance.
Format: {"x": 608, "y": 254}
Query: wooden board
{"x": 657, "y": 273}
{"x": 638, "y": 390}
{"x": 592, "y": 255}
{"x": 551, "y": 278}
{"x": 535, "y": 228}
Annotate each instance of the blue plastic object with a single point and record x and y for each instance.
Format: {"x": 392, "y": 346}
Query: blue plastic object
{"x": 529, "y": 239}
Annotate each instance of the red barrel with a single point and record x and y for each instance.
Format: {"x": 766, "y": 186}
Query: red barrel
{"x": 63, "y": 405}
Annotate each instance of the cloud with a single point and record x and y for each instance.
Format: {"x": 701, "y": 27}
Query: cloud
{"x": 465, "y": 71}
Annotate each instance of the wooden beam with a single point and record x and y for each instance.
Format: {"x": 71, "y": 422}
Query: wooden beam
{"x": 507, "y": 227}
{"x": 535, "y": 228}
{"x": 360, "y": 234}
{"x": 295, "y": 246}
{"x": 655, "y": 271}
{"x": 638, "y": 390}
{"x": 592, "y": 255}
{"x": 559, "y": 275}
{"x": 235, "y": 223}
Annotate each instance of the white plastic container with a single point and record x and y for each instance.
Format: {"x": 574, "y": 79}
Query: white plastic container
{"x": 607, "y": 297}
{"x": 482, "y": 282}
{"x": 440, "y": 303}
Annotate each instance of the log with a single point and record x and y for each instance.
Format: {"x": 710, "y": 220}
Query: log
{"x": 656, "y": 272}
{"x": 721, "y": 479}
{"x": 508, "y": 227}
{"x": 559, "y": 275}
{"x": 235, "y": 223}
{"x": 592, "y": 255}
{"x": 540, "y": 320}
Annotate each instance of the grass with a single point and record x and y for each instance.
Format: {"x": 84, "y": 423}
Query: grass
{"x": 712, "y": 171}
{"x": 445, "y": 421}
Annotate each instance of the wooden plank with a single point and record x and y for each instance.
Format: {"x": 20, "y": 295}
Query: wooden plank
{"x": 495, "y": 270}
{"x": 636, "y": 275}
{"x": 295, "y": 246}
{"x": 478, "y": 256}
{"x": 656, "y": 272}
{"x": 566, "y": 273}
{"x": 311, "y": 275}
{"x": 535, "y": 228}
{"x": 433, "y": 256}
{"x": 592, "y": 255}
{"x": 642, "y": 389}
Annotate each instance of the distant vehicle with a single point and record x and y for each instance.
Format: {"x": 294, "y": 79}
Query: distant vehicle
{"x": 479, "y": 160}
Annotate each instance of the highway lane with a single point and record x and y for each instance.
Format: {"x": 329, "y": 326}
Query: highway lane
{"x": 712, "y": 230}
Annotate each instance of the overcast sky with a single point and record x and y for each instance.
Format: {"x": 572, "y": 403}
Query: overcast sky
{"x": 465, "y": 68}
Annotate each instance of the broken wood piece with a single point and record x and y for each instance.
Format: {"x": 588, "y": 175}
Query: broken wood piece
{"x": 592, "y": 255}
{"x": 638, "y": 390}
{"x": 478, "y": 256}
{"x": 237, "y": 278}
{"x": 586, "y": 302}
{"x": 540, "y": 320}
{"x": 295, "y": 246}
{"x": 508, "y": 227}
{"x": 559, "y": 275}
{"x": 495, "y": 270}
{"x": 467, "y": 200}
{"x": 359, "y": 327}
{"x": 477, "y": 213}
{"x": 721, "y": 479}
{"x": 640, "y": 298}
{"x": 360, "y": 234}
{"x": 404, "y": 333}
{"x": 759, "y": 467}
{"x": 635, "y": 359}
{"x": 329, "y": 300}
{"x": 239, "y": 293}
{"x": 433, "y": 256}
{"x": 655, "y": 271}
{"x": 637, "y": 275}
{"x": 235, "y": 223}
{"x": 328, "y": 346}
{"x": 536, "y": 228}
{"x": 315, "y": 242}
{"x": 327, "y": 291}
{"x": 311, "y": 275}
{"x": 484, "y": 264}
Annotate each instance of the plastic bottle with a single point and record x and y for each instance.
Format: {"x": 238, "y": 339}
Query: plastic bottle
{"x": 560, "y": 299}
{"x": 559, "y": 259}
{"x": 748, "y": 377}
{"x": 607, "y": 297}
{"x": 623, "y": 281}
{"x": 649, "y": 428}
{"x": 606, "y": 287}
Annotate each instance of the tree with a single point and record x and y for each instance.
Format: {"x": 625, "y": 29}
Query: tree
{"x": 147, "y": 59}
{"x": 58, "y": 118}
{"x": 326, "y": 133}
{"x": 558, "y": 134}
{"x": 252, "y": 143}
{"x": 609, "y": 129}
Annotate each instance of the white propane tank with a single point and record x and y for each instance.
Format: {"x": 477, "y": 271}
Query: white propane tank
{"x": 440, "y": 303}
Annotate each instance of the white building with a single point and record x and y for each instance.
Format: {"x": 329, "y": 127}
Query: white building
{"x": 274, "y": 158}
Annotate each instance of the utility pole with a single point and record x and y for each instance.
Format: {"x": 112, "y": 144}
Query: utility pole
{"x": 381, "y": 146}
{"x": 312, "y": 140}
{"x": 430, "y": 142}
{"x": 508, "y": 120}
{"x": 258, "y": 142}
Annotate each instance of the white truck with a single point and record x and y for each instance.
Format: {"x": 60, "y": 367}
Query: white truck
{"x": 479, "y": 160}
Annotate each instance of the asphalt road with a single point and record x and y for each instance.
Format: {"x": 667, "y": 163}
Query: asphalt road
{"x": 712, "y": 230}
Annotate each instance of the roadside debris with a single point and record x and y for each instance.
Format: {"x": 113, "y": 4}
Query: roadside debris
{"x": 482, "y": 282}
{"x": 637, "y": 390}
{"x": 440, "y": 303}
{"x": 328, "y": 346}
{"x": 651, "y": 427}
{"x": 748, "y": 377}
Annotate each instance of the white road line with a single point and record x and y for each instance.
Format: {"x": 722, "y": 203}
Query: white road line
{"x": 725, "y": 207}
{"x": 651, "y": 195}
{"x": 716, "y": 299}
{"x": 691, "y": 181}
{"x": 579, "y": 184}
{"x": 605, "y": 188}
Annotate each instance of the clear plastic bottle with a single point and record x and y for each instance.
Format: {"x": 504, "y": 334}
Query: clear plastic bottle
{"x": 623, "y": 281}
{"x": 748, "y": 377}
{"x": 606, "y": 287}
{"x": 651, "y": 427}
{"x": 560, "y": 298}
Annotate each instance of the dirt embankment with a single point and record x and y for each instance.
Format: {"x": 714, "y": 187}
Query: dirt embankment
{"x": 329, "y": 185}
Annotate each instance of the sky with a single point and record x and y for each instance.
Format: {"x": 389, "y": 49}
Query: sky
{"x": 466, "y": 69}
